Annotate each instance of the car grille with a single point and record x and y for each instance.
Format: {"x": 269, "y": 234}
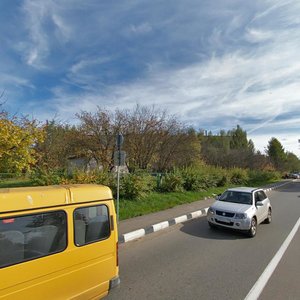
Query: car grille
{"x": 224, "y": 214}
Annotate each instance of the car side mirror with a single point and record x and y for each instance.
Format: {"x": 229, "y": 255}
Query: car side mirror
{"x": 218, "y": 196}
{"x": 259, "y": 203}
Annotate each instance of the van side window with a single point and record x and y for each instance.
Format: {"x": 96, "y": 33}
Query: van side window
{"x": 91, "y": 224}
{"x": 32, "y": 236}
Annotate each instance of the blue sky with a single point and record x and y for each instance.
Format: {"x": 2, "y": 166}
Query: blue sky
{"x": 214, "y": 64}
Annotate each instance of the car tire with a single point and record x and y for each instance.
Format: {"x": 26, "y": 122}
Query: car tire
{"x": 268, "y": 220}
{"x": 253, "y": 228}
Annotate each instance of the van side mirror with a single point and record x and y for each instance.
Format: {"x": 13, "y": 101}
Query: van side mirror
{"x": 259, "y": 203}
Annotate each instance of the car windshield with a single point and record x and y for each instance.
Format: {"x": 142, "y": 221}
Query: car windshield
{"x": 236, "y": 197}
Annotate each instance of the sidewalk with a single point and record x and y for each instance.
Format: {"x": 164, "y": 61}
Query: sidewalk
{"x": 137, "y": 227}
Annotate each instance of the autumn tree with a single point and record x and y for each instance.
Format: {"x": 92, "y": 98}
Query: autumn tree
{"x": 153, "y": 140}
{"x": 61, "y": 141}
{"x": 99, "y": 131}
{"x": 18, "y": 137}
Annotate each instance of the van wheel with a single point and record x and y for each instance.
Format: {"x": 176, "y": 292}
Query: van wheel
{"x": 268, "y": 220}
{"x": 253, "y": 228}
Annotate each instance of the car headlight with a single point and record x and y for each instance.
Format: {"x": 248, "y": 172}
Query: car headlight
{"x": 210, "y": 211}
{"x": 240, "y": 216}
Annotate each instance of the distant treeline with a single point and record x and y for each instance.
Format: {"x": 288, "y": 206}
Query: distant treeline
{"x": 154, "y": 141}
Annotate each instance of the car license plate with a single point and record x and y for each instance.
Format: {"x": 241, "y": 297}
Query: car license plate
{"x": 225, "y": 220}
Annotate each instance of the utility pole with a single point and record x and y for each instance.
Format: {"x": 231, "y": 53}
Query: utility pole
{"x": 119, "y": 160}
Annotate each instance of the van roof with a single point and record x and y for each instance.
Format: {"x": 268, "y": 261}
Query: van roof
{"x": 25, "y": 198}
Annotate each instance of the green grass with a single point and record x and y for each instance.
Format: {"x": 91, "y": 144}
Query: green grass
{"x": 159, "y": 201}
{"x": 11, "y": 183}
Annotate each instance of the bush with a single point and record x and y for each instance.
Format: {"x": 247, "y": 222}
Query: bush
{"x": 239, "y": 176}
{"x": 47, "y": 177}
{"x": 172, "y": 182}
{"x": 192, "y": 180}
{"x": 136, "y": 186}
{"x": 262, "y": 176}
{"x": 96, "y": 177}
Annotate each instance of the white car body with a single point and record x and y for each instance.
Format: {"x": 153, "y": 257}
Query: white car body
{"x": 242, "y": 209}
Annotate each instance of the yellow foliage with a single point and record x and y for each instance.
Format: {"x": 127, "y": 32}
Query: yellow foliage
{"x": 17, "y": 141}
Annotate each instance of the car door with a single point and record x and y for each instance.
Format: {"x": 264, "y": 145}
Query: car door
{"x": 262, "y": 211}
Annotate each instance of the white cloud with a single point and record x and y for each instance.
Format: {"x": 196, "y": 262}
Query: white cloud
{"x": 16, "y": 81}
{"x": 257, "y": 35}
{"x": 248, "y": 65}
{"x": 63, "y": 29}
{"x": 141, "y": 28}
{"x": 38, "y": 14}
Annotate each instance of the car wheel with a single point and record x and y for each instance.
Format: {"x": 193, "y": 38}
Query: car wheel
{"x": 253, "y": 228}
{"x": 268, "y": 220}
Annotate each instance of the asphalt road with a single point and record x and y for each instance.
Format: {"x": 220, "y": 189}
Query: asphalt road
{"x": 192, "y": 261}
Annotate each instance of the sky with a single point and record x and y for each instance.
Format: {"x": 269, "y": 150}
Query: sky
{"x": 212, "y": 64}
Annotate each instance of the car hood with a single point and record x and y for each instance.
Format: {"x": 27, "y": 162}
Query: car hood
{"x": 229, "y": 206}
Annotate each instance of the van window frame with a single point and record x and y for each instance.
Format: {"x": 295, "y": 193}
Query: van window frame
{"x": 108, "y": 219}
{"x": 33, "y": 214}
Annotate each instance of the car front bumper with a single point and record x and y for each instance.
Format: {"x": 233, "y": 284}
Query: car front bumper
{"x": 239, "y": 224}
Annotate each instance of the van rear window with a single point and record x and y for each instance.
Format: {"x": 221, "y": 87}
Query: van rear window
{"x": 91, "y": 224}
{"x": 28, "y": 237}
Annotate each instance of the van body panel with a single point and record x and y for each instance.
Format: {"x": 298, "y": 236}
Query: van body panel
{"x": 77, "y": 272}
{"x": 16, "y": 199}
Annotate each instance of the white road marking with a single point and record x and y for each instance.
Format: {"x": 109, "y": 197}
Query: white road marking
{"x": 265, "y": 276}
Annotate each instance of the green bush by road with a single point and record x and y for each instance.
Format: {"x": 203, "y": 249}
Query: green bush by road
{"x": 141, "y": 193}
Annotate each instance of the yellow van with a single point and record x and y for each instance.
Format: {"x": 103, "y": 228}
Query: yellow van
{"x": 58, "y": 242}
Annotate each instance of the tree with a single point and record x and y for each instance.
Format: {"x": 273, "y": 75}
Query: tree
{"x": 228, "y": 149}
{"x": 292, "y": 163}
{"x": 157, "y": 141}
{"x": 238, "y": 139}
{"x": 99, "y": 131}
{"x": 276, "y": 153}
{"x": 60, "y": 142}
{"x": 17, "y": 140}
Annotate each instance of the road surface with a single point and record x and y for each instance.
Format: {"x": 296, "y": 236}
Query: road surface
{"x": 192, "y": 261}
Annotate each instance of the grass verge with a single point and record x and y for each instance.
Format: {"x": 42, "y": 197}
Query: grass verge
{"x": 11, "y": 183}
{"x": 160, "y": 201}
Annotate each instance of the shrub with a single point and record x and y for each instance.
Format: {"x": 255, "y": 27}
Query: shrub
{"x": 47, "y": 177}
{"x": 239, "y": 176}
{"x": 262, "y": 176}
{"x": 96, "y": 177}
{"x": 135, "y": 186}
{"x": 192, "y": 180}
{"x": 172, "y": 182}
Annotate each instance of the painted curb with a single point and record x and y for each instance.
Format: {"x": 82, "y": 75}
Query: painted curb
{"x": 136, "y": 234}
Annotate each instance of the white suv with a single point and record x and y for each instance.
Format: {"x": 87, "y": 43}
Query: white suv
{"x": 241, "y": 208}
